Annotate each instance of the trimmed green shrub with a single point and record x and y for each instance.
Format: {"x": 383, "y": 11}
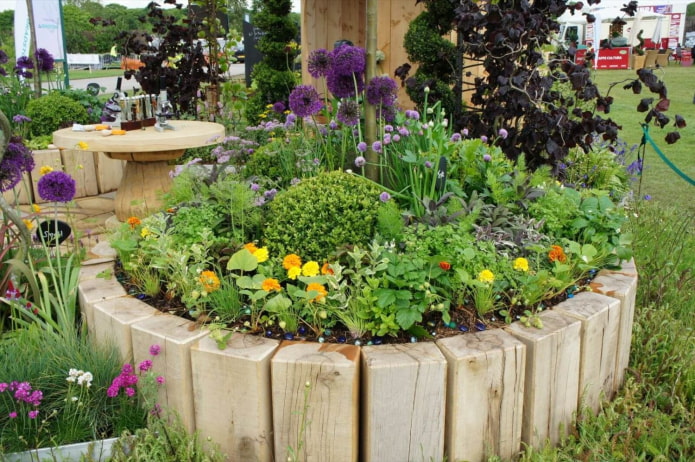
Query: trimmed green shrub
{"x": 54, "y": 111}
{"x": 318, "y": 215}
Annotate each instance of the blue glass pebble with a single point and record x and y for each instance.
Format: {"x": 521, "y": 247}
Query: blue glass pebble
{"x": 377, "y": 340}
{"x": 358, "y": 343}
{"x": 140, "y": 296}
{"x": 341, "y": 339}
{"x": 570, "y": 295}
{"x": 269, "y": 333}
{"x": 327, "y": 332}
{"x": 480, "y": 326}
{"x": 321, "y": 339}
{"x": 463, "y": 328}
{"x": 369, "y": 342}
{"x": 301, "y": 330}
{"x": 452, "y": 325}
{"x": 288, "y": 336}
{"x": 413, "y": 339}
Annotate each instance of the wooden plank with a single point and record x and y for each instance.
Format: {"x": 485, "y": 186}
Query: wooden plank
{"x": 409, "y": 424}
{"x": 485, "y": 395}
{"x": 175, "y": 336}
{"x": 22, "y": 193}
{"x": 551, "y": 379}
{"x": 79, "y": 164}
{"x": 92, "y": 291}
{"x": 113, "y": 320}
{"x": 315, "y": 401}
{"x": 44, "y": 157}
{"x": 109, "y": 172}
{"x": 231, "y": 389}
{"x": 600, "y": 316}
{"x": 621, "y": 285}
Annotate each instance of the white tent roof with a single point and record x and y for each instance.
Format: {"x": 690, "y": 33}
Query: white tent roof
{"x": 603, "y": 15}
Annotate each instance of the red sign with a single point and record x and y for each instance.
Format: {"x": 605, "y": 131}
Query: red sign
{"x": 613, "y": 58}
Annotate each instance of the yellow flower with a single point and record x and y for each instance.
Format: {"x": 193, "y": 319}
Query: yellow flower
{"x": 270, "y": 285}
{"x": 144, "y": 232}
{"x": 486, "y": 276}
{"x": 293, "y": 272}
{"x": 28, "y": 224}
{"x": 291, "y": 261}
{"x": 318, "y": 288}
{"x": 45, "y": 169}
{"x": 261, "y": 254}
{"x": 209, "y": 281}
{"x": 36, "y": 208}
{"x": 521, "y": 264}
{"x": 251, "y": 247}
{"x": 310, "y": 268}
{"x": 82, "y": 145}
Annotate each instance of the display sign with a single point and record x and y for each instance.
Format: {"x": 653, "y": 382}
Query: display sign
{"x": 613, "y": 58}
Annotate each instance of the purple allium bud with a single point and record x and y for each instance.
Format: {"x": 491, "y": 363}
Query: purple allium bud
{"x": 503, "y": 133}
{"x": 464, "y": 132}
{"x": 388, "y": 128}
{"x": 376, "y": 146}
{"x": 255, "y": 187}
{"x": 384, "y": 196}
{"x": 455, "y": 137}
{"x": 428, "y": 164}
{"x": 362, "y": 146}
{"x": 483, "y": 139}
{"x": 487, "y": 157}
{"x": 360, "y": 162}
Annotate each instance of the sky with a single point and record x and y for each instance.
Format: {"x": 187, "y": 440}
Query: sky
{"x": 10, "y": 4}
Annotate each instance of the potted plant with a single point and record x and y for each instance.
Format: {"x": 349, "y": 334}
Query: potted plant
{"x": 638, "y": 52}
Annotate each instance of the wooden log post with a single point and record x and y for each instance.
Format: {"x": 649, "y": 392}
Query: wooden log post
{"x": 175, "y": 336}
{"x": 96, "y": 290}
{"x": 600, "y": 316}
{"x": 551, "y": 379}
{"x": 113, "y": 320}
{"x": 316, "y": 401}
{"x": 485, "y": 395}
{"x": 403, "y": 402}
{"x": 621, "y": 284}
{"x": 231, "y": 390}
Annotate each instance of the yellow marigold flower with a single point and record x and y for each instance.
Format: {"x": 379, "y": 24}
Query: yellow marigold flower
{"x": 36, "y": 208}
{"x": 326, "y": 269}
{"x": 318, "y": 288}
{"x": 209, "y": 281}
{"x": 310, "y": 268}
{"x": 45, "y": 169}
{"x": 270, "y": 285}
{"x": 486, "y": 276}
{"x": 28, "y": 224}
{"x": 521, "y": 264}
{"x": 144, "y": 232}
{"x": 82, "y": 145}
{"x": 251, "y": 247}
{"x": 292, "y": 260}
{"x": 133, "y": 222}
{"x": 261, "y": 254}
{"x": 293, "y": 272}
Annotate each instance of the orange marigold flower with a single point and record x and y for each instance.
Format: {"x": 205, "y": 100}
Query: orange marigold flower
{"x": 251, "y": 247}
{"x": 133, "y": 222}
{"x": 270, "y": 285}
{"x": 557, "y": 254}
{"x": 209, "y": 281}
{"x": 292, "y": 261}
{"x": 326, "y": 269}
{"x": 445, "y": 265}
{"x": 318, "y": 288}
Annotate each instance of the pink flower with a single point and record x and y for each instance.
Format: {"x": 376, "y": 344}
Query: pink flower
{"x": 127, "y": 369}
{"x": 160, "y": 380}
{"x": 33, "y": 414}
{"x": 112, "y": 391}
{"x": 130, "y": 392}
{"x": 13, "y": 415}
{"x": 145, "y": 366}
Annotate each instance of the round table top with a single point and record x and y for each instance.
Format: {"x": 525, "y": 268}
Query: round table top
{"x": 188, "y": 134}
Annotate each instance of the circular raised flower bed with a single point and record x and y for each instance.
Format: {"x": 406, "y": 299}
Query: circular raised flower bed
{"x": 462, "y": 397}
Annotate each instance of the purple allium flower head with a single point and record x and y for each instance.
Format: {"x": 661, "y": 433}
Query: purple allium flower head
{"x": 360, "y": 161}
{"x": 503, "y": 133}
{"x": 348, "y": 60}
{"x": 382, "y": 91}
{"x": 270, "y": 194}
{"x": 56, "y": 186}
{"x": 464, "y": 132}
{"x": 387, "y": 113}
{"x": 20, "y": 119}
{"x": 412, "y": 114}
{"x": 17, "y": 160}
{"x": 428, "y": 164}
{"x": 333, "y": 125}
{"x": 343, "y": 85}
{"x": 319, "y": 63}
{"x": 483, "y": 139}
{"x": 3, "y": 57}
{"x": 44, "y": 60}
{"x": 155, "y": 349}
{"x": 279, "y": 107}
{"x": 3, "y": 72}
{"x": 255, "y": 186}
{"x": 384, "y": 196}
{"x": 388, "y": 128}
{"x": 22, "y": 67}
{"x": 403, "y": 131}
{"x": 349, "y": 113}
{"x": 305, "y": 101}
{"x": 487, "y": 157}
{"x": 362, "y": 146}
{"x": 455, "y": 137}
{"x": 376, "y": 146}
{"x": 396, "y": 138}
{"x": 387, "y": 138}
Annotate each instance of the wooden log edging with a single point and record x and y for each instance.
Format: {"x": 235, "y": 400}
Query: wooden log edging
{"x": 463, "y": 398}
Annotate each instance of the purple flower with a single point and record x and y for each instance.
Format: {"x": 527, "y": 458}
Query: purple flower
{"x": 304, "y": 101}
{"x": 483, "y": 139}
{"x": 20, "y": 119}
{"x": 362, "y": 146}
{"x": 126, "y": 369}
{"x": 112, "y": 391}
{"x": 464, "y": 132}
{"x": 412, "y": 114}
{"x": 647, "y": 197}
{"x": 130, "y": 392}
{"x": 349, "y": 113}
{"x": 387, "y": 138}
{"x": 387, "y": 113}
{"x": 3, "y": 57}
{"x": 428, "y": 164}
{"x": 403, "y": 131}
{"x": 333, "y": 125}
{"x": 343, "y": 85}
{"x": 255, "y": 186}
{"x": 145, "y": 366}
{"x": 348, "y": 60}
{"x": 17, "y": 160}
{"x": 384, "y": 196}
{"x": 360, "y": 162}
{"x": 22, "y": 66}
{"x": 33, "y": 414}
{"x": 160, "y": 380}
{"x": 396, "y": 138}
{"x": 56, "y": 186}
{"x": 382, "y": 91}
{"x": 270, "y": 194}
{"x": 279, "y": 107}
{"x": 487, "y": 158}
{"x": 503, "y": 133}
{"x": 388, "y": 128}
{"x": 376, "y": 146}
{"x": 319, "y": 63}
{"x": 455, "y": 137}
{"x": 44, "y": 60}
{"x": 12, "y": 415}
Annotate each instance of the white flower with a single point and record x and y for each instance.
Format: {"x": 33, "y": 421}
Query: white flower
{"x": 430, "y": 110}
{"x": 74, "y": 398}
{"x": 445, "y": 123}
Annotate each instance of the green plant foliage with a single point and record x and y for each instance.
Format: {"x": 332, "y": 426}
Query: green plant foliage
{"x": 54, "y": 111}
{"x": 91, "y": 103}
{"x": 322, "y": 213}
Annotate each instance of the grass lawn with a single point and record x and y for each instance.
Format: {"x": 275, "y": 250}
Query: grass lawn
{"x": 76, "y": 74}
{"x": 658, "y": 180}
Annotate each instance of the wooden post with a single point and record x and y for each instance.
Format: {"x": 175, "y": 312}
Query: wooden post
{"x": 485, "y": 395}
{"x": 372, "y": 169}
{"x": 407, "y": 424}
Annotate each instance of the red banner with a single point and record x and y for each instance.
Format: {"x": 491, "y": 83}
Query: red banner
{"x": 613, "y": 58}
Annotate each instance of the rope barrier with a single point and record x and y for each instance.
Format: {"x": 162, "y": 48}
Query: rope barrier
{"x": 646, "y": 138}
